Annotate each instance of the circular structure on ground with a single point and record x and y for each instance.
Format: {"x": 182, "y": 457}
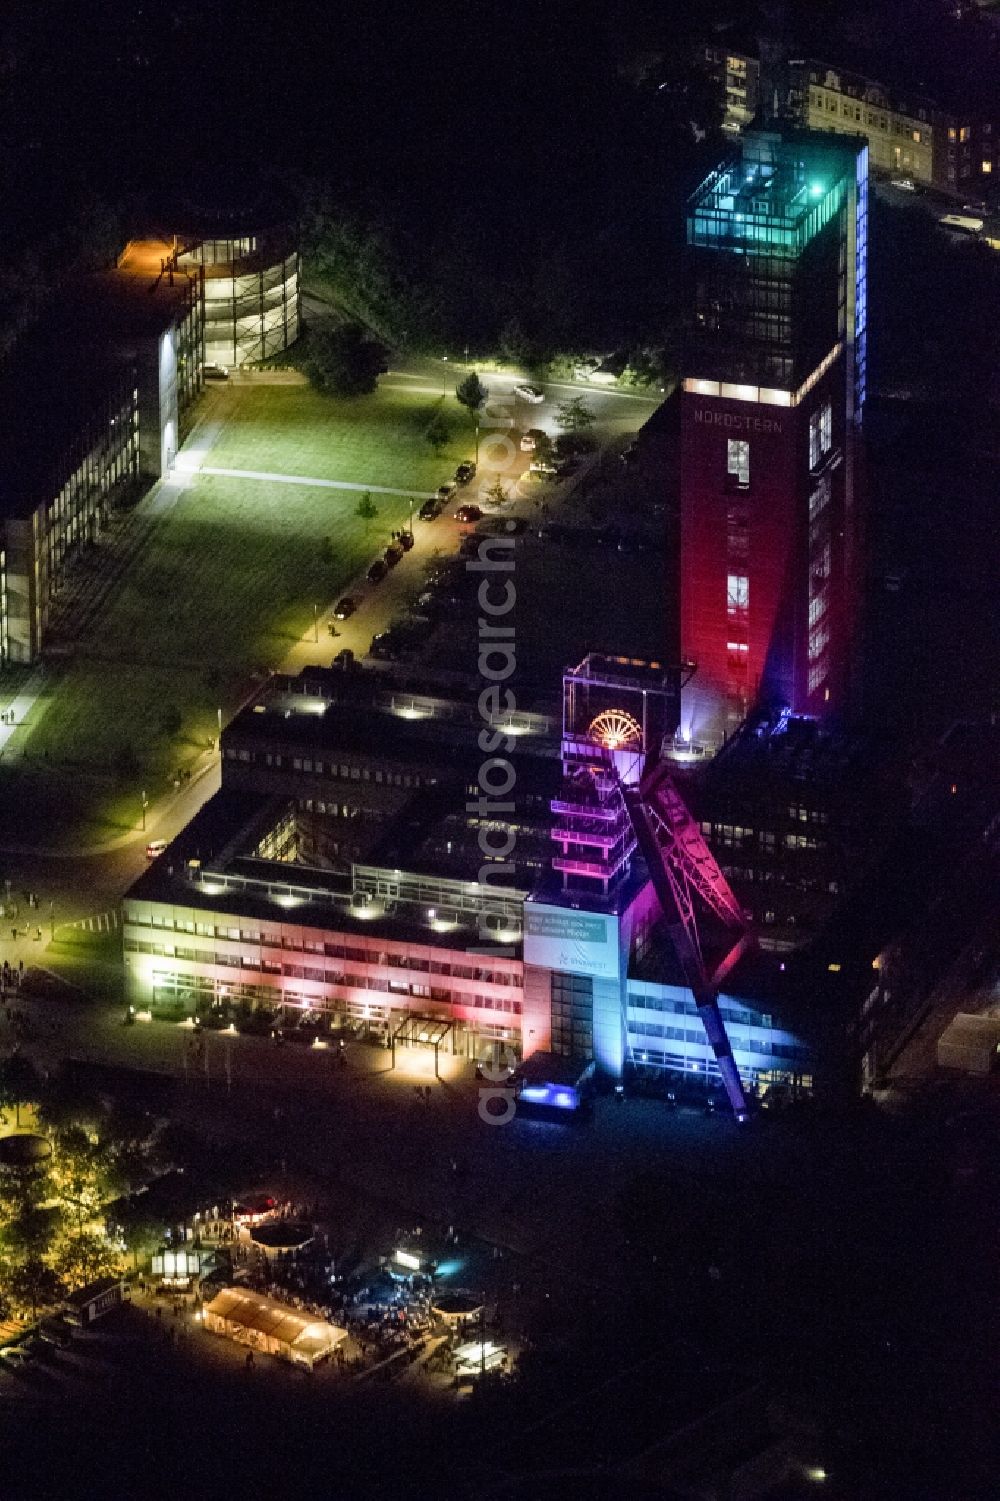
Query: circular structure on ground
{"x": 23, "y": 1151}
{"x": 281, "y": 1235}
{"x": 455, "y": 1308}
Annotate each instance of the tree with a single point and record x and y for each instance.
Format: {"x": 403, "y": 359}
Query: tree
{"x": 574, "y": 416}
{"x": 32, "y": 1284}
{"x": 345, "y": 360}
{"x": 472, "y": 393}
{"x": 437, "y": 432}
{"x": 82, "y": 1173}
{"x": 20, "y": 1083}
{"x": 496, "y": 495}
{"x": 366, "y": 509}
{"x": 84, "y": 1258}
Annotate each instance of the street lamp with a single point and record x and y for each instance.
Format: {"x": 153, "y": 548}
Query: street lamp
{"x": 316, "y": 624}
{"x": 477, "y": 440}
{"x": 444, "y": 376}
{"x": 219, "y": 718}
{"x": 143, "y": 802}
{"x": 411, "y": 517}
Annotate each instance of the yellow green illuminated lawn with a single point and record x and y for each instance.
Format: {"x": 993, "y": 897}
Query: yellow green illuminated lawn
{"x": 226, "y": 584}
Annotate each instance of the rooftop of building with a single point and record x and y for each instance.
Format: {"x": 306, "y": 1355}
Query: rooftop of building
{"x": 773, "y": 195}
{"x": 362, "y": 713}
{"x": 796, "y": 744}
{"x": 136, "y": 299}
{"x": 50, "y": 393}
{"x": 210, "y": 865}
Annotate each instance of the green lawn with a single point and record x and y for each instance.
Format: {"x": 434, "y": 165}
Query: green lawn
{"x": 368, "y": 440}
{"x": 226, "y": 584}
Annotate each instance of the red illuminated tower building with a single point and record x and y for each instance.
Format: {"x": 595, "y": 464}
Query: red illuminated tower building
{"x": 773, "y": 391}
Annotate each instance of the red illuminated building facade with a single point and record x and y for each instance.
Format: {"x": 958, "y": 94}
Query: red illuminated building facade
{"x": 771, "y": 404}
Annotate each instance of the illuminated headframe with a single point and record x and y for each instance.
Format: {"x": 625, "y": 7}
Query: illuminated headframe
{"x": 617, "y": 711}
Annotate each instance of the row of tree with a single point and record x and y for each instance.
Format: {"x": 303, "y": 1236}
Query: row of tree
{"x": 52, "y": 1215}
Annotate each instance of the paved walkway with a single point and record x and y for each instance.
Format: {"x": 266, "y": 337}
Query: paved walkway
{"x": 185, "y": 465}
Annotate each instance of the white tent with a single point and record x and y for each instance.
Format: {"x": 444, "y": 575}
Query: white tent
{"x": 271, "y": 1327}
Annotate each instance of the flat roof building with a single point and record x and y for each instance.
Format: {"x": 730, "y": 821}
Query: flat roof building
{"x": 352, "y": 871}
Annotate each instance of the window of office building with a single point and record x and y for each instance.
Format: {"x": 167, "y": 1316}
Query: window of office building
{"x": 738, "y": 460}
{"x": 572, "y": 1015}
{"x": 820, "y": 434}
{"x": 737, "y": 597}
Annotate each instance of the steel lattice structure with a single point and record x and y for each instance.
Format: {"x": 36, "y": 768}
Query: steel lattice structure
{"x": 683, "y": 871}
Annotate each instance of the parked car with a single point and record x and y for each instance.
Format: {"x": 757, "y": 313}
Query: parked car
{"x": 906, "y": 183}
{"x": 383, "y": 648}
{"x": 534, "y": 394}
{"x": 429, "y": 510}
{"x": 155, "y": 848}
{"x": 377, "y": 572}
{"x": 445, "y": 492}
{"x": 468, "y": 513}
{"x": 392, "y": 555}
{"x": 15, "y": 1357}
{"x": 405, "y": 540}
{"x": 465, "y": 472}
{"x": 541, "y": 466}
{"x": 211, "y": 371}
{"x": 56, "y": 1331}
{"x": 533, "y": 439}
{"x": 344, "y": 608}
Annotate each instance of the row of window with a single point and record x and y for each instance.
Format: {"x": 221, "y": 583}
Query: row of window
{"x": 321, "y": 976}
{"x": 332, "y": 950}
{"x": 338, "y": 771}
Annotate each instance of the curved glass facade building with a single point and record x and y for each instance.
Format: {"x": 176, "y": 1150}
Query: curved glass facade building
{"x": 251, "y": 293}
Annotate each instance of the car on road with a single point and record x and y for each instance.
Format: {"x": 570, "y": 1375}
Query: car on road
{"x": 905, "y": 183}
{"x": 392, "y": 555}
{"x": 430, "y": 509}
{"x": 405, "y": 540}
{"x": 534, "y": 394}
{"x": 445, "y": 492}
{"x": 211, "y": 371}
{"x": 155, "y": 848}
{"x": 344, "y": 608}
{"x": 468, "y": 513}
{"x": 376, "y": 572}
{"x": 465, "y": 472}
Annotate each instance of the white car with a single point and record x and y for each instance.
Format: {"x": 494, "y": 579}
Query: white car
{"x": 906, "y": 183}
{"x": 534, "y": 394}
{"x": 155, "y": 848}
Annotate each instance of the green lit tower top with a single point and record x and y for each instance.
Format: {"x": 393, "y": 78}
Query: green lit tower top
{"x": 776, "y": 238}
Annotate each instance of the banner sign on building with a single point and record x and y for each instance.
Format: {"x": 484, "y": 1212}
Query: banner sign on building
{"x": 582, "y": 943}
